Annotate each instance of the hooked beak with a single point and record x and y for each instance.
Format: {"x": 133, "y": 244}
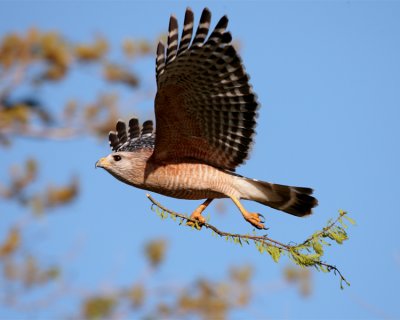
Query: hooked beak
{"x": 102, "y": 163}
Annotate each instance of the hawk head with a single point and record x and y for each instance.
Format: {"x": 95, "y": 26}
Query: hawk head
{"x": 130, "y": 151}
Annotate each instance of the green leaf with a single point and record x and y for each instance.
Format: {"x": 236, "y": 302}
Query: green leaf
{"x": 324, "y": 242}
{"x": 342, "y": 223}
{"x": 337, "y": 234}
{"x": 352, "y": 221}
{"x": 259, "y": 246}
{"x": 317, "y": 246}
{"x": 274, "y": 252}
{"x": 304, "y": 260}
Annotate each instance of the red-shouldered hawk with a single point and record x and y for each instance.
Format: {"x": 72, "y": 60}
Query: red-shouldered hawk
{"x": 205, "y": 124}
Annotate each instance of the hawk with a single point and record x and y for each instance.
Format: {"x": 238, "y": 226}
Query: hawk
{"x": 205, "y": 112}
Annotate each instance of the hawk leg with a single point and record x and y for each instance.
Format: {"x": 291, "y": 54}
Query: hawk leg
{"x": 256, "y": 219}
{"x": 196, "y": 215}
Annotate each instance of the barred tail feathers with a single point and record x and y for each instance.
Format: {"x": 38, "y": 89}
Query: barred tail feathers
{"x": 297, "y": 201}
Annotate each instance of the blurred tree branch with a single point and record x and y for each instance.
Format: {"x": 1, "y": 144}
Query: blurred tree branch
{"x": 37, "y": 58}
{"x": 29, "y": 62}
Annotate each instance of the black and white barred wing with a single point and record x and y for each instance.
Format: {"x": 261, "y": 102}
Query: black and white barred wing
{"x": 133, "y": 139}
{"x": 205, "y": 107}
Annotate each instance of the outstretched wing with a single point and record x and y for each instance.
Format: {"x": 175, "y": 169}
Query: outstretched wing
{"x": 205, "y": 107}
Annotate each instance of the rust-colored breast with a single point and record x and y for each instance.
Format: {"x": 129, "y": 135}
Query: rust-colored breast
{"x": 188, "y": 181}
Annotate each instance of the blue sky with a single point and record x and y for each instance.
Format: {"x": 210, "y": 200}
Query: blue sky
{"x": 327, "y": 75}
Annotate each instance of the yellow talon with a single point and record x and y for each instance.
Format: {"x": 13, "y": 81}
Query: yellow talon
{"x": 196, "y": 215}
{"x": 251, "y": 217}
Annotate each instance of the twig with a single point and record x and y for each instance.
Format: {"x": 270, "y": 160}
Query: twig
{"x": 329, "y": 226}
{"x": 264, "y": 240}
{"x": 219, "y": 232}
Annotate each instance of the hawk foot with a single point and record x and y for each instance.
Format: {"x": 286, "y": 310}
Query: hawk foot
{"x": 196, "y": 215}
{"x": 256, "y": 219}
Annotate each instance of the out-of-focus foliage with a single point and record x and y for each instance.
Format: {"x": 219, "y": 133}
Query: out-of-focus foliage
{"x": 52, "y": 196}
{"x": 20, "y": 179}
{"x": 29, "y": 273}
{"x": 205, "y": 298}
{"x": 133, "y": 49}
{"x": 213, "y": 300}
{"x": 116, "y": 73}
{"x": 30, "y": 61}
{"x": 155, "y": 252}
{"x": 35, "y": 59}
{"x": 91, "y": 52}
{"x": 137, "y": 295}
{"x": 98, "y": 307}
{"x": 300, "y": 276}
{"x": 11, "y": 243}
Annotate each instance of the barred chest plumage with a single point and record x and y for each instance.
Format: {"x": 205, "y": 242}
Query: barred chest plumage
{"x": 187, "y": 181}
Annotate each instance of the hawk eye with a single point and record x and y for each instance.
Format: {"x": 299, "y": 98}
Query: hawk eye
{"x": 117, "y": 158}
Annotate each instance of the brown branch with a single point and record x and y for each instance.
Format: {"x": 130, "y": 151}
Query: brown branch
{"x": 265, "y": 240}
{"x": 18, "y": 75}
{"x": 217, "y": 231}
{"x": 43, "y": 133}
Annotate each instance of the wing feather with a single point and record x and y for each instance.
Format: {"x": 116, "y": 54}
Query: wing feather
{"x": 205, "y": 107}
{"x": 172, "y": 39}
{"x": 137, "y": 139}
{"x": 187, "y": 31}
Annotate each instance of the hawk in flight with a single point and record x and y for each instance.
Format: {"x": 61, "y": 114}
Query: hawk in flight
{"x": 205, "y": 112}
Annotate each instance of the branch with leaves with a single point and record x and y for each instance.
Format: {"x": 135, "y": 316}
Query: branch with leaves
{"x": 309, "y": 253}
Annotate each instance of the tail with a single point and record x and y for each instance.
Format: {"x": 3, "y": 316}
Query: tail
{"x": 294, "y": 200}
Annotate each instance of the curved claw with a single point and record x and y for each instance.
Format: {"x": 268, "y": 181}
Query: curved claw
{"x": 255, "y": 219}
{"x": 259, "y": 227}
{"x": 197, "y": 225}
